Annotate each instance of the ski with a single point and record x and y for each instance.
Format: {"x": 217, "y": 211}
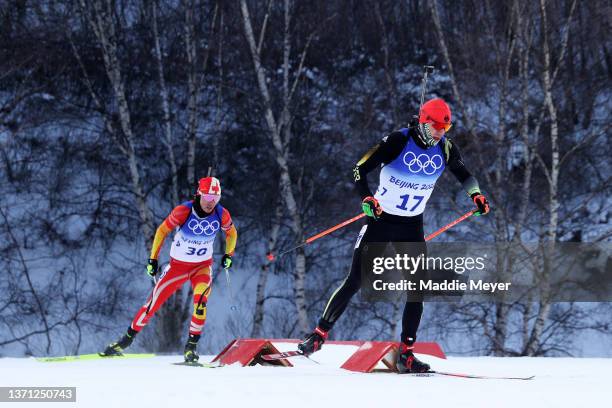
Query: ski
{"x": 86, "y": 357}
{"x": 286, "y": 354}
{"x": 280, "y": 356}
{"x": 197, "y": 364}
{"x": 462, "y": 375}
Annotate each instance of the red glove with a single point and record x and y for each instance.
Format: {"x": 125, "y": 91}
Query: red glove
{"x": 482, "y": 204}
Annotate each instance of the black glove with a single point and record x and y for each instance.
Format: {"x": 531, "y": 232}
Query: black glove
{"x": 152, "y": 267}
{"x": 226, "y": 261}
{"x": 481, "y": 202}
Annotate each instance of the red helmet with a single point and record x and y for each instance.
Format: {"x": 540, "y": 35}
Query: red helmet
{"x": 436, "y": 112}
{"x": 209, "y": 188}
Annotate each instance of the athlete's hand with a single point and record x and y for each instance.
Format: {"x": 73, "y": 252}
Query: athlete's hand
{"x": 370, "y": 207}
{"x": 226, "y": 261}
{"x": 482, "y": 204}
{"x": 152, "y": 267}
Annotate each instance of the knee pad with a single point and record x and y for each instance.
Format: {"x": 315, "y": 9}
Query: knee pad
{"x": 199, "y": 311}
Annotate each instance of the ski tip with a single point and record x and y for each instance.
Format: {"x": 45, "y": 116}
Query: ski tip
{"x": 481, "y": 377}
{"x": 94, "y": 356}
{"x": 197, "y": 364}
{"x": 280, "y": 356}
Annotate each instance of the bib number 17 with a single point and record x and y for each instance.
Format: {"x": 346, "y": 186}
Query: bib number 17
{"x": 404, "y": 205}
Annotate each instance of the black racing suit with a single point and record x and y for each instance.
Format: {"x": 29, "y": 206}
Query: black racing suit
{"x": 389, "y": 227}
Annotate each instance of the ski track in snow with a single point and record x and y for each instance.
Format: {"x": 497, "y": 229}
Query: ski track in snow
{"x": 155, "y": 382}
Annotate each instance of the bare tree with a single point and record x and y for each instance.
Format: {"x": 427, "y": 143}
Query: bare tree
{"x": 31, "y": 289}
{"x": 100, "y": 16}
{"x": 165, "y": 102}
{"x": 388, "y": 69}
{"x": 194, "y": 80}
{"x": 260, "y": 294}
{"x": 279, "y": 129}
{"x": 99, "y": 101}
{"x": 552, "y": 173}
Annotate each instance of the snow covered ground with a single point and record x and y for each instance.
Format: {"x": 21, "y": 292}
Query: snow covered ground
{"x": 155, "y": 382}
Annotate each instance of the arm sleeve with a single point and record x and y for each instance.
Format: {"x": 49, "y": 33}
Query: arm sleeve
{"x": 383, "y": 153}
{"x": 177, "y": 217}
{"x": 231, "y": 234}
{"x": 457, "y": 167}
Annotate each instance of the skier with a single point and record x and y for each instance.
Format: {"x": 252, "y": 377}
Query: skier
{"x": 198, "y": 222}
{"x": 412, "y": 159}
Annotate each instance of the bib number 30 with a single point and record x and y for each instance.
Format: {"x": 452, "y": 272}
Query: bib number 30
{"x": 192, "y": 251}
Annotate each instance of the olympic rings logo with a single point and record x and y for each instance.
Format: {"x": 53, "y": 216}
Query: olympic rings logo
{"x": 423, "y": 163}
{"x": 203, "y": 227}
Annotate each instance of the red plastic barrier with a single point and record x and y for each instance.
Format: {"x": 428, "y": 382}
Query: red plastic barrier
{"x": 367, "y": 357}
{"x": 431, "y": 348}
{"x": 248, "y": 352}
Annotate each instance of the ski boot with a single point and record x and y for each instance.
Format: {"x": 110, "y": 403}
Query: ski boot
{"x": 313, "y": 342}
{"x": 191, "y": 353}
{"x": 406, "y": 361}
{"x": 116, "y": 349}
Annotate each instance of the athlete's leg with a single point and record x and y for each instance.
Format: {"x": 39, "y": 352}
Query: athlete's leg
{"x": 164, "y": 288}
{"x": 338, "y": 301}
{"x": 200, "y": 282}
{"x": 413, "y": 309}
{"x": 373, "y": 231}
{"x": 410, "y": 321}
{"x": 341, "y": 297}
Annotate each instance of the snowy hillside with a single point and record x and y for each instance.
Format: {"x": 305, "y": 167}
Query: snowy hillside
{"x": 155, "y": 382}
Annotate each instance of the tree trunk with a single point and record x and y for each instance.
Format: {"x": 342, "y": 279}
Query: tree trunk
{"x": 504, "y": 63}
{"x": 192, "y": 92}
{"x": 433, "y": 7}
{"x": 389, "y": 72}
{"x": 100, "y": 18}
{"x": 525, "y": 30}
{"x": 533, "y": 344}
{"x": 165, "y": 100}
{"x": 281, "y": 155}
{"x": 194, "y": 84}
{"x": 260, "y": 295}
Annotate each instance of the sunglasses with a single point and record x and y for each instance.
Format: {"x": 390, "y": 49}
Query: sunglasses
{"x": 440, "y": 126}
{"x": 210, "y": 197}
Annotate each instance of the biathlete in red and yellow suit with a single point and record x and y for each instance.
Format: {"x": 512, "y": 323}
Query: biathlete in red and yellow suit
{"x": 197, "y": 222}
